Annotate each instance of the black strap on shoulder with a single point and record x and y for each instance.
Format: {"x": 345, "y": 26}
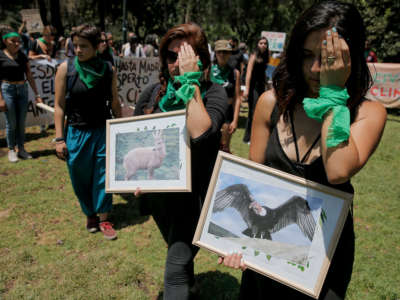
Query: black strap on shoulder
{"x": 72, "y": 74}
{"x": 274, "y": 116}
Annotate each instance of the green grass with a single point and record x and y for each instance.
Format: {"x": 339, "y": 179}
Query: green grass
{"x": 46, "y": 253}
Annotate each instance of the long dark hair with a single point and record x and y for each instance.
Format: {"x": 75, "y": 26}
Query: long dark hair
{"x": 288, "y": 81}
{"x": 195, "y": 36}
{"x": 262, "y": 57}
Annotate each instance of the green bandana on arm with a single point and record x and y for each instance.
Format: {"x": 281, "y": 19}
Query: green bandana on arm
{"x": 331, "y": 98}
{"x": 91, "y": 71}
{"x": 43, "y": 41}
{"x": 218, "y": 75}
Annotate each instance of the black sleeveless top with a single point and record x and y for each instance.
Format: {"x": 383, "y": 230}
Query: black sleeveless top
{"x": 277, "y": 158}
{"x": 88, "y": 107}
{"x": 258, "y": 75}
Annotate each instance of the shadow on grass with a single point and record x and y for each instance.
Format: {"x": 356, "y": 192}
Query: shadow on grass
{"x": 127, "y": 214}
{"x": 242, "y": 122}
{"x": 43, "y": 153}
{"x": 213, "y": 285}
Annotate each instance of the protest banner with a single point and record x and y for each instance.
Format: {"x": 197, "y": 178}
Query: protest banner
{"x": 386, "y": 84}
{"x": 32, "y": 19}
{"x": 276, "y": 40}
{"x": 43, "y": 72}
{"x": 134, "y": 75}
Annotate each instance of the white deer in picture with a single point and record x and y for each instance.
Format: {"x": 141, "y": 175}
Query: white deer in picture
{"x": 145, "y": 158}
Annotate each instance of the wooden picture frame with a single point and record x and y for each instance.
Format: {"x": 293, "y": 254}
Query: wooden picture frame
{"x": 250, "y": 208}
{"x": 151, "y": 152}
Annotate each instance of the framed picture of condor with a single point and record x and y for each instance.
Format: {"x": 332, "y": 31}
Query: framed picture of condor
{"x": 286, "y": 227}
{"x": 150, "y": 152}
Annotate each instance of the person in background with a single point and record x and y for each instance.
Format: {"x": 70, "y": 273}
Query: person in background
{"x": 14, "y": 71}
{"x": 236, "y": 59}
{"x": 60, "y": 53}
{"x": 229, "y": 78}
{"x": 151, "y": 47}
{"x": 85, "y": 92}
{"x": 44, "y": 47}
{"x": 183, "y": 55}
{"x": 104, "y": 51}
{"x": 317, "y": 124}
{"x": 255, "y": 81}
{"x": 134, "y": 48}
{"x": 110, "y": 42}
{"x": 69, "y": 46}
{"x": 370, "y": 56}
{"x": 26, "y": 39}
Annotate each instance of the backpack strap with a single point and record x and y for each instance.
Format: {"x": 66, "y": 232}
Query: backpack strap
{"x": 72, "y": 75}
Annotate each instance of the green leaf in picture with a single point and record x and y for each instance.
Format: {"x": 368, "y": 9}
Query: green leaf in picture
{"x": 154, "y": 127}
{"x": 145, "y": 127}
{"x": 301, "y": 268}
{"x": 167, "y": 126}
{"x": 308, "y": 264}
{"x": 173, "y": 124}
{"x": 244, "y": 247}
{"x": 268, "y": 257}
{"x": 217, "y": 237}
{"x": 256, "y": 252}
{"x": 138, "y": 129}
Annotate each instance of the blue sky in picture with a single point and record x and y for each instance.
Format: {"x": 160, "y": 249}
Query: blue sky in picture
{"x": 266, "y": 195}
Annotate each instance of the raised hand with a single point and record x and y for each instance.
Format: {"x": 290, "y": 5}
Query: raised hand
{"x": 187, "y": 59}
{"x": 335, "y": 60}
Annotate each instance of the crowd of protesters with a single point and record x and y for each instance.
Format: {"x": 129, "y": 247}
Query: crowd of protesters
{"x": 324, "y": 60}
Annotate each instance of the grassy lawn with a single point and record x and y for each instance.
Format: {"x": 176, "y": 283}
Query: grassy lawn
{"x": 46, "y": 252}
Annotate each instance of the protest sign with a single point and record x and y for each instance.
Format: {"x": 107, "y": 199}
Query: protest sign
{"x": 134, "y": 75}
{"x": 32, "y": 19}
{"x": 43, "y": 73}
{"x": 276, "y": 40}
{"x": 386, "y": 84}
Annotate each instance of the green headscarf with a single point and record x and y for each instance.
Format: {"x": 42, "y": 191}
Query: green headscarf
{"x": 43, "y": 41}
{"x": 91, "y": 71}
{"x": 10, "y": 34}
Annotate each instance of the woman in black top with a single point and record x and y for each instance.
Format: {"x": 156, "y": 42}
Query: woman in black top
{"x": 104, "y": 51}
{"x": 14, "y": 68}
{"x": 44, "y": 47}
{"x": 323, "y": 62}
{"x": 85, "y": 90}
{"x": 255, "y": 80}
{"x": 223, "y": 74}
{"x": 176, "y": 214}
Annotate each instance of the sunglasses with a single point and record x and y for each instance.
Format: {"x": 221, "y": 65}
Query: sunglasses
{"x": 171, "y": 56}
{"x": 104, "y": 41}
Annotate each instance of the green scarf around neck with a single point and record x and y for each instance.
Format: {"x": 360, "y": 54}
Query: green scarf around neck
{"x": 91, "y": 71}
{"x": 175, "y": 99}
{"x": 219, "y": 75}
{"x": 43, "y": 41}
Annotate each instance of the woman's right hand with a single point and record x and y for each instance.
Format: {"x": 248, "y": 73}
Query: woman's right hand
{"x": 233, "y": 260}
{"x": 61, "y": 150}
{"x": 44, "y": 56}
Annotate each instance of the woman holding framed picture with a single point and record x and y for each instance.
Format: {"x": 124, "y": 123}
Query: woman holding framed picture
{"x": 317, "y": 124}
{"x": 184, "y": 84}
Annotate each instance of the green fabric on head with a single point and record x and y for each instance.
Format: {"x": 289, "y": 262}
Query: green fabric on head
{"x": 331, "y": 98}
{"x": 43, "y": 41}
{"x": 91, "y": 71}
{"x": 10, "y": 34}
{"x": 177, "y": 99}
{"x": 219, "y": 75}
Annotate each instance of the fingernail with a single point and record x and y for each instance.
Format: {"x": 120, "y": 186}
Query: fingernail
{"x": 334, "y": 29}
{"x": 324, "y": 42}
{"x": 329, "y": 32}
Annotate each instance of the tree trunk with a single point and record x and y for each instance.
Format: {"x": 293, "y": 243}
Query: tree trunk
{"x": 43, "y": 12}
{"x": 101, "y": 7}
{"x": 56, "y": 16}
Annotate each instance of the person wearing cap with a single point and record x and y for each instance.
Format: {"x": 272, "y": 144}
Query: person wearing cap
{"x": 223, "y": 74}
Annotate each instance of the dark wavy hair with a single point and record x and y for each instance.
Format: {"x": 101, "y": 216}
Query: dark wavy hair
{"x": 288, "y": 81}
{"x": 262, "y": 57}
{"x": 196, "y": 37}
{"x": 88, "y": 32}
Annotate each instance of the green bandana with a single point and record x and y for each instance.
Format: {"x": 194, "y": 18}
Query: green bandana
{"x": 10, "y": 34}
{"x": 219, "y": 75}
{"x": 177, "y": 99}
{"x": 43, "y": 41}
{"x": 331, "y": 98}
{"x": 91, "y": 71}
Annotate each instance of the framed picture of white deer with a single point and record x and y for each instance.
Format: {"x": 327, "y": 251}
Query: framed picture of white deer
{"x": 286, "y": 227}
{"x": 151, "y": 152}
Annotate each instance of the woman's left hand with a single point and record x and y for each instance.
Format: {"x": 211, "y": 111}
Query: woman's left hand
{"x": 187, "y": 59}
{"x": 335, "y": 60}
{"x": 38, "y": 100}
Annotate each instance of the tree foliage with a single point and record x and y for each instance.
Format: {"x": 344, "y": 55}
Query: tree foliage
{"x": 220, "y": 18}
